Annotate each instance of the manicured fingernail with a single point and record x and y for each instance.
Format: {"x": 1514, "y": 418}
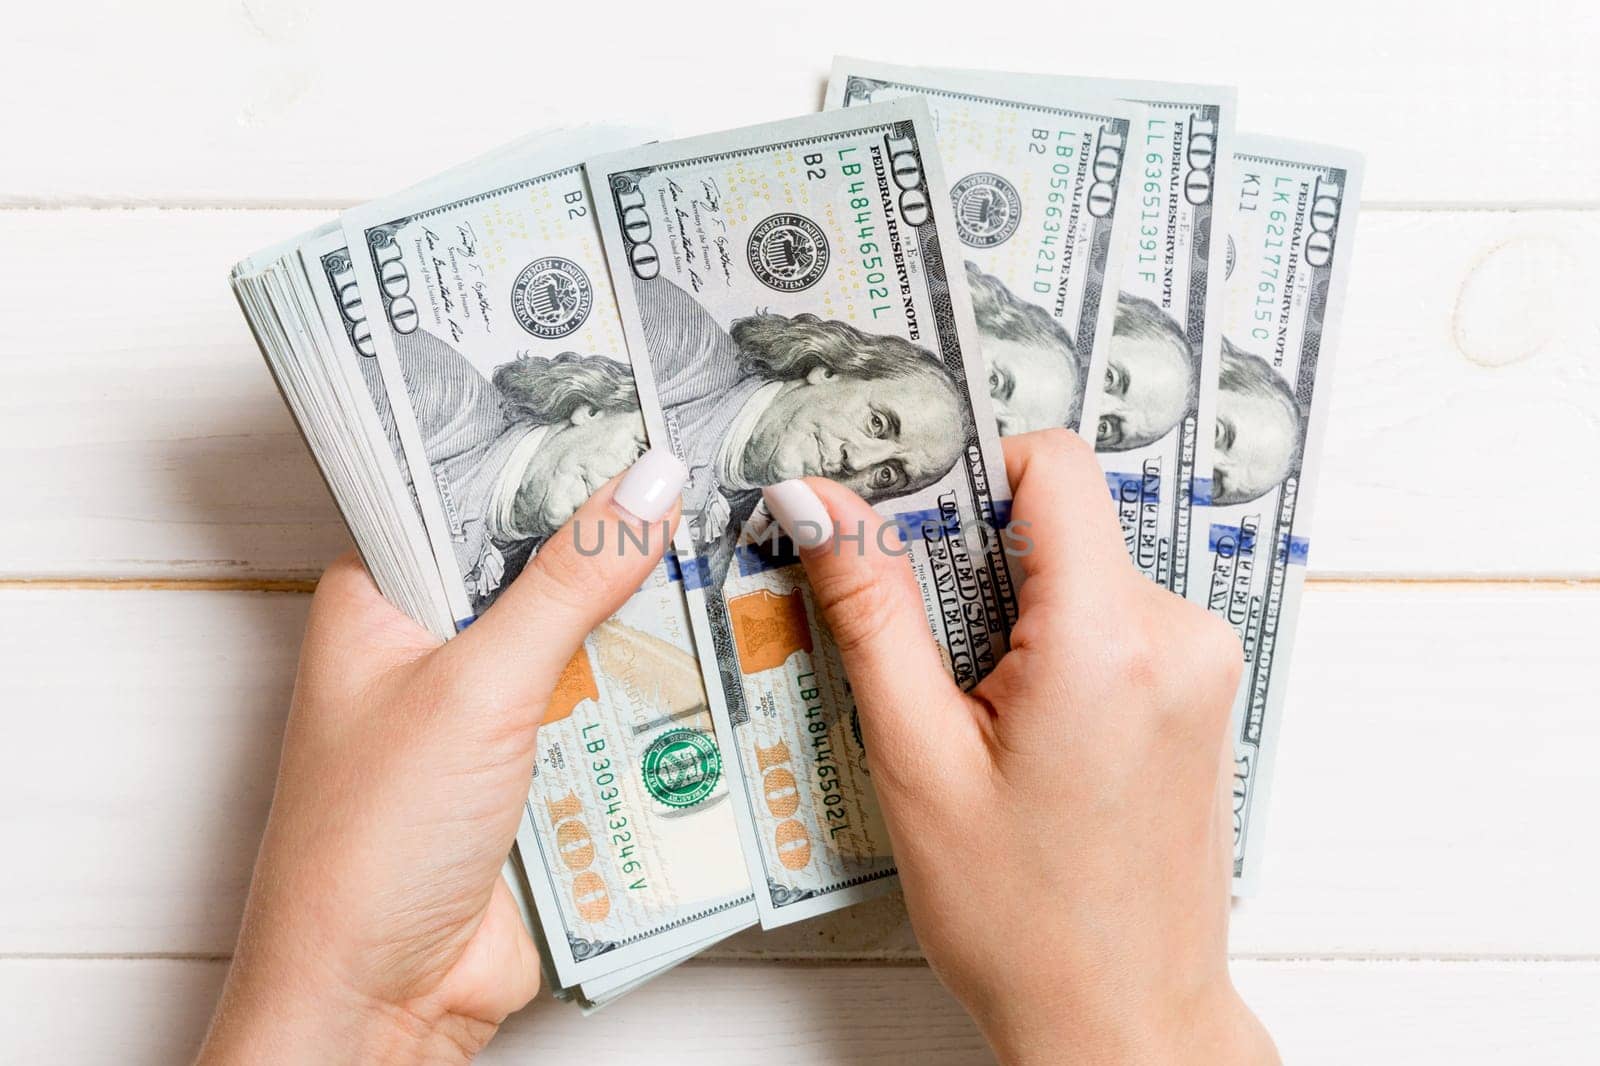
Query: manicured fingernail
{"x": 800, "y": 512}
{"x": 651, "y": 484}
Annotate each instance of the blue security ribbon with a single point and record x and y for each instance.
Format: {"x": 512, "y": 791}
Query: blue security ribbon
{"x": 697, "y": 575}
{"x": 1134, "y": 488}
{"x": 1292, "y": 549}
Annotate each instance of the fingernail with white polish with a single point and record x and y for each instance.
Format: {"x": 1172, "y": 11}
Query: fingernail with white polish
{"x": 651, "y": 484}
{"x": 800, "y": 512}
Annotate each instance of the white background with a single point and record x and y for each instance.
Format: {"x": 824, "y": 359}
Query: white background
{"x": 1431, "y": 888}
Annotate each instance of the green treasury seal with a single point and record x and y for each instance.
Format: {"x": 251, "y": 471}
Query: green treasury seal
{"x": 682, "y": 767}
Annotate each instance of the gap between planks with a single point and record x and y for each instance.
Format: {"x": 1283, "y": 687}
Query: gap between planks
{"x": 307, "y": 585}
{"x": 290, "y": 203}
{"x": 904, "y": 962}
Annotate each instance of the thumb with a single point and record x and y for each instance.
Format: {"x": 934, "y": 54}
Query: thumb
{"x": 861, "y": 580}
{"x": 513, "y": 654}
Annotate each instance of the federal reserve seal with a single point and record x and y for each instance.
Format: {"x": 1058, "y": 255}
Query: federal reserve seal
{"x": 682, "y": 767}
{"x": 988, "y": 209}
{"x": 788, "y": 252}
{"x": 551, "y": 297}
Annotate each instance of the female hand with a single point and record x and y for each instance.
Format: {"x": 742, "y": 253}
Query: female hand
{"x": 378, "y": 927}
{"x": 1064, "y": 831}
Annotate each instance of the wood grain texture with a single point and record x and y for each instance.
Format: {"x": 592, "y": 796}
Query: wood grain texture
{"x": 147, "y": 440}
{"x": 274, "y": 101}
{"x": 1438, "y": 745}
{"x": 1437, "y": 776}
{"x": 149, "y": 1011}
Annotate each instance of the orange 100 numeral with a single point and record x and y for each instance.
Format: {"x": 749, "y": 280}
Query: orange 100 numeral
{"x": 782, "y": 791}
{"x": 576, "y": 848}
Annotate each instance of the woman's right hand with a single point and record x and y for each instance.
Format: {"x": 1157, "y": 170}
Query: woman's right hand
{"x": 1064, "y": 831}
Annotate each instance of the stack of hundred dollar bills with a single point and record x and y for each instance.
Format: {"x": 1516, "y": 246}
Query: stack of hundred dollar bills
{"x": 874, "y": 293}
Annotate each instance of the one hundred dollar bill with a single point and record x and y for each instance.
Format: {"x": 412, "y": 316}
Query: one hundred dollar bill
{"x": 339, "y": 298}
{"x": 1039, "y": 184}
{"x": 1288, "y": 252}
{"x": 795, "y": 305}
{"x": 503, "y": 356}
{"x": 1153, "y": 373}
{"x": 291, "y": 310}
{"x": 304, "y": 305}
{"x": 355, "y": 374}
{"x": 468, "y": 342}
{"x": 628, "y": 835}
{"x": 1157, "y": 403}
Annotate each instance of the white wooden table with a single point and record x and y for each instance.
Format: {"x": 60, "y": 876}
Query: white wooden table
{"x": 1432, "y": 887}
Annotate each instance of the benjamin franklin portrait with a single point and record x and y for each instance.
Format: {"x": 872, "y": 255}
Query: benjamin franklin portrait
{"x": 1152, "y": 378}
{"x": 777, "y": 397}
{"x": 515, "y": 456}
{"x": 1036, "y": 376}
{"x": 1260, "y": 428}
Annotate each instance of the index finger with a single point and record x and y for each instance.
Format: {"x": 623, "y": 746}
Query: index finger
{"x": 1061, "y": 506}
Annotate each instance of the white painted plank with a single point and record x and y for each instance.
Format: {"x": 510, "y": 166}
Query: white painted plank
{"x": 139, "y": 427}
{"x": 138, "y": 1011}
{"x": 140, "y": 435}
{"x": 66, "y": 1012}
{"x": 267, "y": 101}
{"x": 143, "y": 733}
{"x": 1437, "y": 768}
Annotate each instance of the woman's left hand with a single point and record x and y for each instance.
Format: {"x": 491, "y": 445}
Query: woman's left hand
{"x": 378, "y": 927}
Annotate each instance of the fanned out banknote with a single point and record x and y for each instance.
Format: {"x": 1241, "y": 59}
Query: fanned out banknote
{"x": 470, "y": 358}
{"x": 1039, "y": 184}
{"x": 1289, "y": 241}
{"x": 502, "y": 354}
{"x": 1157, "y": 405}
{"x": 794, "y": 306}
{"x": 1150, "y": 376}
